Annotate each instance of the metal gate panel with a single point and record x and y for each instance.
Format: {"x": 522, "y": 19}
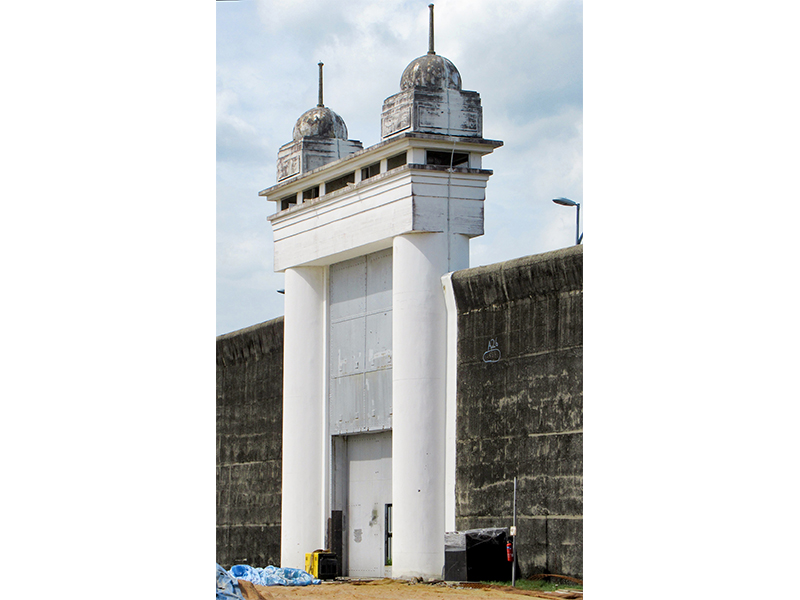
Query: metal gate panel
{"x": 378, "y": 348}
{"x": 348, "y": 340}
{"x": 348, "y": 284}
{"x": 377, "y": 399}
{"x": 379, "y": 281}
{"x": 360, "y": 358}
{"x": 348, "y": 414}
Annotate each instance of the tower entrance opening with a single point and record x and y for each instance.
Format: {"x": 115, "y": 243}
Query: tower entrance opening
{"x": 369, "y": 493}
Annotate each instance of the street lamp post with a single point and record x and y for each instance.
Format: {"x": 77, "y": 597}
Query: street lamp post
{"x": 568, "y": 202}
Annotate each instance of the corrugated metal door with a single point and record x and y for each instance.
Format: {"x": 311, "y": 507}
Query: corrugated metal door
{"x": 361, "y": 344}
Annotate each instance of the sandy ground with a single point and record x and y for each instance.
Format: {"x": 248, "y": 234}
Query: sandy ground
{"x": 389, "y": 589}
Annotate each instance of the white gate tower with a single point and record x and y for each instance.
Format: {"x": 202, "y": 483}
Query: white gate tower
{"x": 364, "y": 237}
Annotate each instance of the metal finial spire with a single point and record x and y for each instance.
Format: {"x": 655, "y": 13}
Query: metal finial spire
{"x": 430, "y": 32}
{"x": 320, "y": 104}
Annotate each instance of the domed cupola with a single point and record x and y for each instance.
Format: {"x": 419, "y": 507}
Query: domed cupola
{"x": 431, "y": 71}
{"x": 319, "y": 122}
{"x": 319, "y": 136}
{"x": 430, "y": 87}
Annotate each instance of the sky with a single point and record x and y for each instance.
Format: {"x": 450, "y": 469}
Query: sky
{"x": 524, "y": 57}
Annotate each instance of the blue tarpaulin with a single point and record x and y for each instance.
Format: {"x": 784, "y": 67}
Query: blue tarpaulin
{"x": 272, "y": 575}
{"x": 227, "y": 586}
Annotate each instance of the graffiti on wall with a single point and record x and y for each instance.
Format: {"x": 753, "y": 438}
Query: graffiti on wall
{"x": 492, "y": 355}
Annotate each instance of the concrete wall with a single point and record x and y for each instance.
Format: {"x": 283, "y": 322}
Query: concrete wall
{"x": 249, "y": 441}
{"x": 519, "y": 413}
{"x": 519, "y": 405}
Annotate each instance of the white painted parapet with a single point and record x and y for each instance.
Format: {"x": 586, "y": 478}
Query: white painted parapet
{"x": 304, "y": 440}
{"x": 419, "y": 337}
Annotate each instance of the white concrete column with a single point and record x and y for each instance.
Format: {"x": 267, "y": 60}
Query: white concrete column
{"x": 459, "y": 252}
{"x": 459, "y": 259}
{"x": 303, "y": 493}
{"x": 450, "y": 404}
{"x": 419, "y": 340}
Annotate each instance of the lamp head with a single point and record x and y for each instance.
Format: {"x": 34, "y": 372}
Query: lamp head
{"x": 565, "y": 202}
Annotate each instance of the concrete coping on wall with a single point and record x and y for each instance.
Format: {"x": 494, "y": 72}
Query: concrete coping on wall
{"x": 249, "y": 329}
{"x": 549, "y": 272}
{"x": 251, "y": 342}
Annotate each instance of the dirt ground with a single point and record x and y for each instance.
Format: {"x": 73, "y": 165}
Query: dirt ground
{"x": 390, "y": 589}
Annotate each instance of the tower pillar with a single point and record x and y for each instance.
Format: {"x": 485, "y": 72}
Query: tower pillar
{"x": 419, "y": 336}
{"x": 303, "y": 491}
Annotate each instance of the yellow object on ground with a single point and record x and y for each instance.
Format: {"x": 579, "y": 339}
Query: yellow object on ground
{"x": 321, "y": 564}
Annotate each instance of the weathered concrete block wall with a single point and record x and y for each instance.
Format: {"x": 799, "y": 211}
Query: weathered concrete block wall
{"x": 451, "y": 112}
{"x": 249, "y": 439}
{"x": 519, "y": 405}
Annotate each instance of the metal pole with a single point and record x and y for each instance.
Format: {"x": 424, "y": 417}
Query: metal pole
{"x": 578, "y": 225}
{"x": 320, "y": 104}
{"x": 430, "y": 31}
{"x": 514, "y": 540}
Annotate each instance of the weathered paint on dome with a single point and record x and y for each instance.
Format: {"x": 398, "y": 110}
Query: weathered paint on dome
{"x": 319, "y": 122}
{"x": 431, "y": 70}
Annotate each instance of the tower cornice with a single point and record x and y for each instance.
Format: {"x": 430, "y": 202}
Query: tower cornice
{"x": 378, "y": 152}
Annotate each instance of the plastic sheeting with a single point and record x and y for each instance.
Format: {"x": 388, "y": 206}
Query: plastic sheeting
{"x": 227, "y": 586}
{"x": 476, "y": 555}
{"x": 272, "y": 575}
{"x": 486, "y": 554}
